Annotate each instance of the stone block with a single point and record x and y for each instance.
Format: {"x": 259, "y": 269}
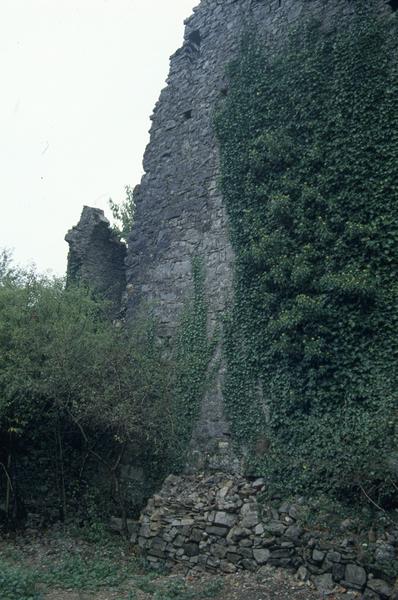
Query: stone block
{"x": 355, "y": 576}
{"x": 249, "y": 565}
{"x": 261, "y": 555}
{"x": 324, "y": 583}
{"x": 191, "y": 549}
{"x": 381, "y": 587}
{"x": 294, "y": 532}
{"x": 275, "y": 528}
{"x": 318, "y": 556}
{"x": 217, "y": 531}
{"x": 196, "y": 535}
{"x": 233, "y": 558}
{"x": 338, "y": 571}
{"x": 224, "y": 519}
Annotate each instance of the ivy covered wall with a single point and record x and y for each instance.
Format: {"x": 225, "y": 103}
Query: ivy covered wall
{"x": 309, "y": 175}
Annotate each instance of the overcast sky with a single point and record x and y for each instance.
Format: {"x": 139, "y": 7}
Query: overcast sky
{"x": 79, "y": 80}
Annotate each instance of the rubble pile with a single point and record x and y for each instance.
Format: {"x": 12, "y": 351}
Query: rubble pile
{"x": 218, "y": 523}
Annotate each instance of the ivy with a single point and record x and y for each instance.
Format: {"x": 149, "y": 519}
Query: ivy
{"x": 193, "y": 352}
{"x": 309, "y": 155}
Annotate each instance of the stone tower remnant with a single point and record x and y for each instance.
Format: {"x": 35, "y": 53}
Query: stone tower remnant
{"x": 96, "y": 256}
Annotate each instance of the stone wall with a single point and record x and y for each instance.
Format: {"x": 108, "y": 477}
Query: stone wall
{"x": 180, "y": 213}
{"x": 96, "y": 256}
{"x": 217, "y": 523}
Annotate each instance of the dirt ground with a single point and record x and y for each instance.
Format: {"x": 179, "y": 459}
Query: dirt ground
{"x": 35, "y": 551}
{"x": 277, "y": 585}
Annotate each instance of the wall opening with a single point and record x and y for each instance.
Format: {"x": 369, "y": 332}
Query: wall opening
{"x": 394, "y": 5}
{"x": 188, "y": 115}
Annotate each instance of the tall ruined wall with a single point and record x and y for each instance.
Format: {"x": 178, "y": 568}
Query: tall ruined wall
{"x": 180, "y": 213}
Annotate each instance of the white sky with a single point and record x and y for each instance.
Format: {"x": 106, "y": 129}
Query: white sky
{"x": 78, "y": 82}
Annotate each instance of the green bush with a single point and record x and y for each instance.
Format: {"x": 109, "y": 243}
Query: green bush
{"x": 17, "y": 583}
{"x": 77, "y": 393}
{"x": 309, "y": 154}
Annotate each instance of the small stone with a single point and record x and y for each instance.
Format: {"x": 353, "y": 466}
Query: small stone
{"x": 219, "y": 551}
{"x": 384, "y": 552}
{"x": 258, "y": 483}
{"x": 347, "y": 525}
{"x": 217, "y": 531}
{"x": 250, "y": 517}
{"x": 324, "y": 583}
{"x": 338, "y": 571}
{"x": 265, "y": 571}
{"x": 233, "y": 558}
{"x": 246, "y": 552}
{"x": 294, "y": 532}
{"x": 355, "y": 576}
{"x": 369, "y": 595}
{"x": 261, "y": 555}
{"x": 275, "y": 528}
{"x": 259, "y": 529}
{"x": 227, "y": 567}
{"x": 294, "y": 512}
{"x": 333, "y": 556}
{"x": 282, "y": 553}
{"x": 302, "y": 573}
{"x": 248, "y": 564}
{"x": 196, "y": 535}
{"x": 380, "y": 587}
{"x": 224, "y": 519}
{"x": 318, "y": 556}
{"x": 284, "y": 508}
{"x": 237, "y": 533}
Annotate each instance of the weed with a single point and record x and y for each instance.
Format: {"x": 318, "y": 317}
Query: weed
{"x": 18, "y": 583}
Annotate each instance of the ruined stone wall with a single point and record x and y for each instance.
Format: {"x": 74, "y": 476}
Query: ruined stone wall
{"x": 220, "y": 524}
{"x": 180, "y": 213}
{"x": 96, "y": 257}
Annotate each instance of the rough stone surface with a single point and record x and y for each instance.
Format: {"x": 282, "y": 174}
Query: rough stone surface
{"x": 96, "y": 256}
{"x": 179, "y": 210}
{"x": 380, "y": 587}
{"x": 324, "y": 583}
{"x": 199, "y": 521}
{"x": 355, "y": 576}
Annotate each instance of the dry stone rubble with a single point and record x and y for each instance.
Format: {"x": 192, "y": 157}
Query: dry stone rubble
{"x": 218, "y": 523}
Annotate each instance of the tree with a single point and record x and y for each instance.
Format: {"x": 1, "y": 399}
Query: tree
{"x": 123, "y": 214}
{"x": 66, "y": 370}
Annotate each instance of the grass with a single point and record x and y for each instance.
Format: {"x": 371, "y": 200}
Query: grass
{"x": 18, "y": 583}
{"x": 86, "y": 561}
{"x": 82, "y": 573}
{"x": 63, "y": 560}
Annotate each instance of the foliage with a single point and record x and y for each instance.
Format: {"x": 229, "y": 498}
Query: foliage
{"x": 192, "y": 356}
{"x": 28, "y": 566}
{"x": 85, "y": 573}
{"x": 18, "y": 583}
{"x": 123, "y": 214}
{"x": 89, "y": 568}
{"x": 74, "y": 388}
{"x": 309, "y": 148}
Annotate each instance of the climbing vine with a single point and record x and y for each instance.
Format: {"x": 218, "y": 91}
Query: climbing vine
{"x": 309, "y": 155}
{"x": 194, "y": 350}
